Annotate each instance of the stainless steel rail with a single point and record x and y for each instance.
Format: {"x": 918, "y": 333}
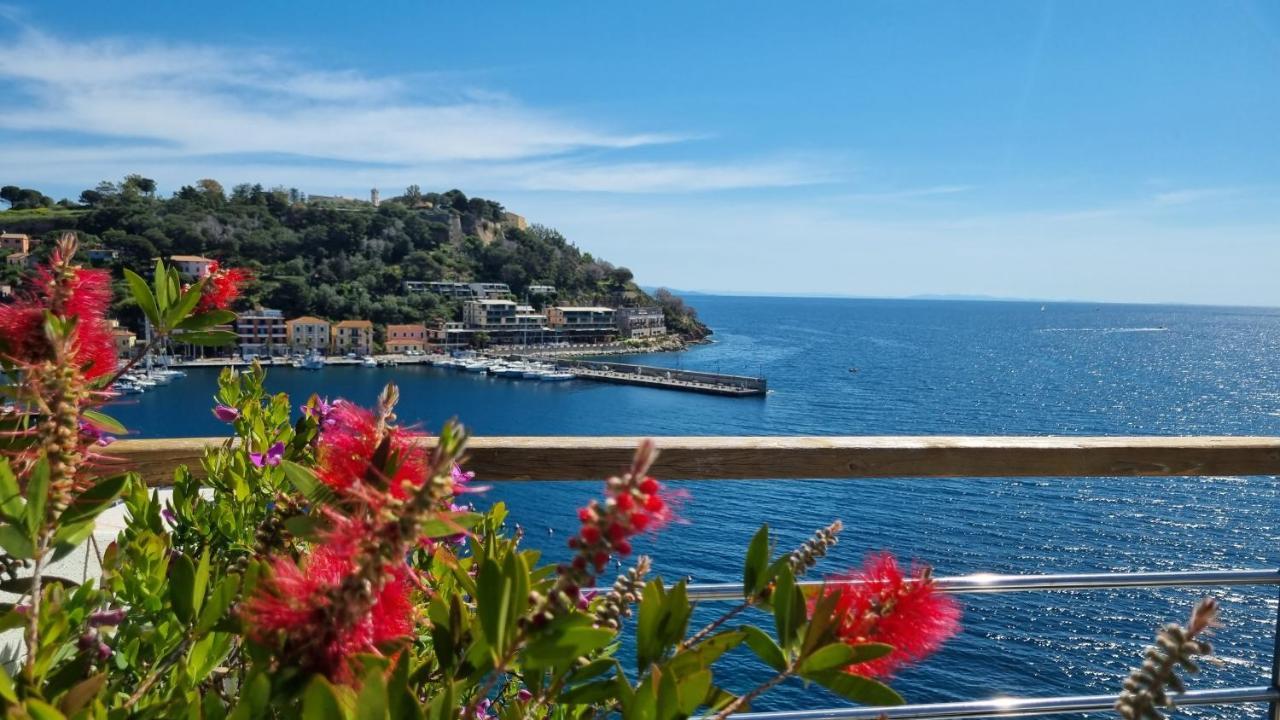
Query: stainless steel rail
{"x": 1021, "y": 707}
{"x": 988, "y": 583}
{"x": 1014, "y": 707}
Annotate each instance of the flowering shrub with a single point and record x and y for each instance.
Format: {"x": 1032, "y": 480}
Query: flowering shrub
{"x": 322, "y": 564}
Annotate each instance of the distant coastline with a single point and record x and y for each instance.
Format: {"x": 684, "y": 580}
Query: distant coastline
{"x": 960, "y": 297}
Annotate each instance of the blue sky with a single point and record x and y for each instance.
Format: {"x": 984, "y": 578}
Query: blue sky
{"x": 1096, "y": 150}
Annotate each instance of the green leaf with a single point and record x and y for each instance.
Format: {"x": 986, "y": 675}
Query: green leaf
{"x": 41, "y": 710}
{"x": 201, "y": 581}
{"x": 306, "y": 482}
{"x": 857, "y": 688}
{"x": 648, "y": 620}
{"x": 254, "y": 699}
{"x": 446, "y": 524}
{"x": 765, "y": 648}
{"x": 206, "y": 337}
{"x": 693, "y": 690}
{"x": 668, "y": 700}
{"x": 182, "y": 580}
{"x": 88, "y": 504}
{"x": 103, "y": 421}
{"x": 706, "y": 652}
{"x": 788, "y": 608}
{"x": 320, "y": 702}
{"x": 162, "y": 288}
{"x": 303, "y": 526}
{"x": 223, "y": 595}
{"x": 592, "y": 693}
{"x": 562, "y": 649}
{"x": 82, "y": 693}
{"x": 371, "y": 704}
{"x": 11, "y": 500}
{"x": 493, "y": 603}
{"x": 186, "y": 302}
{"x": 16, "y": 543}
{"x": 143, "y": 296}
{"x": 829, "y": 657}
{"x": 206, "y": 320}
{"x": 37, "y": 495}
{"x": 755, "y": 570}
{"x": 6, "y": 686}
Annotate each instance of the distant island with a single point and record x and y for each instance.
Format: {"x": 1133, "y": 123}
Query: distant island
{"x": 418, "y": 257}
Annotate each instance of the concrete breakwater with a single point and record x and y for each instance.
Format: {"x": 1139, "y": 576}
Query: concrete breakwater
{"x": 669, "y": 378}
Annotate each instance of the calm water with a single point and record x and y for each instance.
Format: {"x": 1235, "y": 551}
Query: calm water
{"x": 924, "y": 368}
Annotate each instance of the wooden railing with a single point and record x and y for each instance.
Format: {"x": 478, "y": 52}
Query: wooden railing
{"x": 728, "y": 458}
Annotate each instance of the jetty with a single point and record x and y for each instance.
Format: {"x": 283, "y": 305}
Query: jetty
{"x": 661, "y": 377}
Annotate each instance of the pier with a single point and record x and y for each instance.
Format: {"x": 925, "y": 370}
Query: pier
{"x": 661, "y": 377}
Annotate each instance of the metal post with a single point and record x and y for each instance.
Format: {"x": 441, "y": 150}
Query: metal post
{"x": 1273, "y": 709}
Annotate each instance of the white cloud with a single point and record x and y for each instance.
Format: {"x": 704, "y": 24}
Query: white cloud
{"x": 145, "y": 106}
{"x": 1191, "y": 195}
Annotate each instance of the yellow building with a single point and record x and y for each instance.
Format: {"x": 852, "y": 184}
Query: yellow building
{"x": 352, "y": 336}
{"x": 403, "y": 338}
{"x": 308, "y": 333}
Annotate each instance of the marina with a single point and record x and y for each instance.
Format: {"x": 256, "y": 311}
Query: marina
{"x": 532, "y": 367}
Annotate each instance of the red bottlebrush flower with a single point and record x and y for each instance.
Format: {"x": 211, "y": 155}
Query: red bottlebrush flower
{"x": 87, "y": 297}
{"x": 634, "y": 503}
{"x": 222, "y": 287}
{"x": 348, "y": 447}
{"x": 291, "y": 608}
{"x": 878, "y": 604}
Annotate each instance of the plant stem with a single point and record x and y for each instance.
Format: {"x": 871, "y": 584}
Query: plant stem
{"x": 32, "y": 634}
{"x": 769, "y": 684}
{"x": 710, "y": 628}
{"x": 155, "y": 341}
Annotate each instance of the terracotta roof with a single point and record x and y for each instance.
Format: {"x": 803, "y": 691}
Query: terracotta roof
{"x": 310, "y": 320}
{"x": 409, "y": 327}
{"x": 189, "y": 258}
{"x": 354, "y": 324}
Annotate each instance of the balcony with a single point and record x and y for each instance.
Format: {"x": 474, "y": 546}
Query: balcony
{"x": 852, "y": 458}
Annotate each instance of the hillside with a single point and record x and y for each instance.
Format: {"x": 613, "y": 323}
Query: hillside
{"x": 342, "y": 258}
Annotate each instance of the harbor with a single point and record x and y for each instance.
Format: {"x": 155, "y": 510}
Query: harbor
{"x": 539, "y": 368}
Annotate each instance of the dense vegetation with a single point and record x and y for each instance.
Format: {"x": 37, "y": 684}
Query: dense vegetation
{"x": 333, "y": 258}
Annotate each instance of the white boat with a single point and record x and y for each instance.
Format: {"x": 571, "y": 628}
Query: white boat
{"x": 368, "y": 361}
{"x": 124, "y": 387}
{"x": 557, "y": 376}
{"x": 478, "y": 366}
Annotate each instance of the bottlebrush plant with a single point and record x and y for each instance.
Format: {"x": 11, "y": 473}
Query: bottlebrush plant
{"x": 327, "y": 563}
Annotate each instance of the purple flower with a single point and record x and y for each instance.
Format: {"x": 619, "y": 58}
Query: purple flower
{"x": 226, "y": 413}
{"x": 168, "y": 515}
{"x": 94, "y": 434}
{"x": 524, "y": 695}
{"x": 462, "y": 478}
{"x": 106, "y": 617}
{"x": 272, "y": 456}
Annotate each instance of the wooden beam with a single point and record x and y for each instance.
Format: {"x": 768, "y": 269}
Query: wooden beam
{"x": 707, "y": 458}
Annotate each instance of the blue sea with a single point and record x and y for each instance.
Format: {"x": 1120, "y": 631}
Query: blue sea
{"x": 923, "y": 367}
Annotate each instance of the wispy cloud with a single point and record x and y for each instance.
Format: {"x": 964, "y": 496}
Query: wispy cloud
{"x": 109, "y": 103}
{"x": 1192, "y": 195}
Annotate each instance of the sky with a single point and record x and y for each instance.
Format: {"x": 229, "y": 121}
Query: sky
{"x": 1061, "y": 150}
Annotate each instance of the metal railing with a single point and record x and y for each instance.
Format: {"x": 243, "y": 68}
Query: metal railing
{"x": 1025, "y": 707}
{"x": 781, "y": 457}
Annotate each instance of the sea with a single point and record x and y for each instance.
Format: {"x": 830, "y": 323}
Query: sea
{"x": 918, "y": 367}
